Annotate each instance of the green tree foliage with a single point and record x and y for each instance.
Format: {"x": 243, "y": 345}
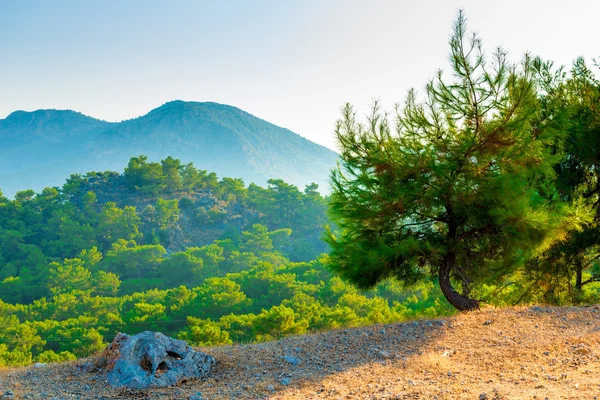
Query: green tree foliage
{"x": 166, "y": 213}
{"x": 132, "y": 261}
{"x": 214, "y": 294}
{"x": 181, "y": 267}
{"x": 460, "y": 188}
{"x": 147, "y": 177}
{"x": 69, "y": 276}
{"x": 204, "y": 333}
{"x": 571, "y": 100}
{"x": 116, "y": 223}
{"x": 101, "y": 255}
{"x": 171, "y": 168}
{"x": 232, "y": 189}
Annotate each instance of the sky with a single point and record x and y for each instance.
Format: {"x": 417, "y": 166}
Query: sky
{"x": 292, "y": 63}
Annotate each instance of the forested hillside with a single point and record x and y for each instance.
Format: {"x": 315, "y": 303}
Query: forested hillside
{"x": 168, "y": 247}
{"x": 485, "y": 191}
{"x": 42, "y": 148}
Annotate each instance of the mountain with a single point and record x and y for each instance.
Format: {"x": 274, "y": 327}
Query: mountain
{"x": 45, "y": 146}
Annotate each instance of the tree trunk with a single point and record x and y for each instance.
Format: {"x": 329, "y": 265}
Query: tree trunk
{"x": 460, "y": 302}
{"x": 578, "y": 275}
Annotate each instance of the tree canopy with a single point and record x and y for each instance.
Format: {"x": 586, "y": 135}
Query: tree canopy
{"x": 461, "y": 186}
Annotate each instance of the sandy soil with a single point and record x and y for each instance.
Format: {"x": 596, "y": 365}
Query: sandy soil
{"x": 514, "y": 353}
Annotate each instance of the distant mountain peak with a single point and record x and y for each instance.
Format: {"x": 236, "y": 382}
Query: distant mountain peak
{"x": 44, "y": 147}
{"x": 194, "y": 105}
{"x": 42, "y": 113}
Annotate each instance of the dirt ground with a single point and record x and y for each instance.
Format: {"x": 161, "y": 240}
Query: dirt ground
{"x": 512, "y": 353}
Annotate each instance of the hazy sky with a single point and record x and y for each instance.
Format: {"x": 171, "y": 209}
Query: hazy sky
{"x": 293, "y": 63}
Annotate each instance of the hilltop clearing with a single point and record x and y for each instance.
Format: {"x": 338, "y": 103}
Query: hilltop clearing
{"x": 514, "y": 353}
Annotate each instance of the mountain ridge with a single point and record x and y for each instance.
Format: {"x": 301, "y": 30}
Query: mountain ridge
{"x": 225, "y": 139}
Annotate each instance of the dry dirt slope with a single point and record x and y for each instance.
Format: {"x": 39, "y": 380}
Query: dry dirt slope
{"x": 515, "y": 353}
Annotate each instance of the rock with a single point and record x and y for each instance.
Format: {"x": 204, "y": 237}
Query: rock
{"x": 383, "y": 354}
{"x": 483, "y": 396}
{"x": 271, "y": 388}
{"x": 151, "y": 360}
{"x": 292, "y": 360}
{"x": 285, "y": 381}
{"x": 8, "y": 395}
{"x": 197, "y": 396}
{"x": 39, "y": 365}
{"x": 581, "y": 351}
{"x": 488, "y": 322}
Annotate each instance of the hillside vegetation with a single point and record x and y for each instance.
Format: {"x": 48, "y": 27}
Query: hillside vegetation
{"x": 167, "y": 247}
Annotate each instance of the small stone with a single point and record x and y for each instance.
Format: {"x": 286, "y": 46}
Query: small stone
{"x": 449, "y": 373}
{"x": 384, "y": 354}
{"x": 382, "y": 331}
{"x": 197, "y": 396}
{"x": 271, "y": 388}
{"x": 8, "y": 395}
{"x": 39, "y": 365}
{"x": 285, "y": 381}
{"x": 483, "y": 396}
{"x": 292, "y": 360}
{"x": 488, "y": 322}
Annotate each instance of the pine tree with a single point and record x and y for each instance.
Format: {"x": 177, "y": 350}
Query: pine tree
{"x": 573, "y": 102}
{"x": 171, "y": 168}
{"x": 460, "y": 188}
